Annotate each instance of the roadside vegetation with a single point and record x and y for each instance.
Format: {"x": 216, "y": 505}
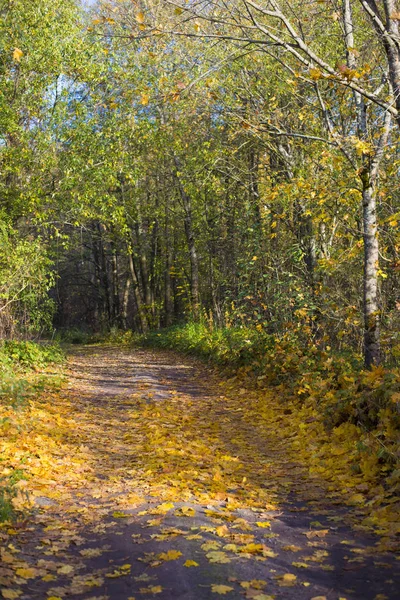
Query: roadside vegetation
{"x": 27, "y": 370}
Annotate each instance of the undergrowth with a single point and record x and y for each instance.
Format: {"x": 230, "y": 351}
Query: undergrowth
{"x": 332, "y": 387}
{"x": 23, "y": 373}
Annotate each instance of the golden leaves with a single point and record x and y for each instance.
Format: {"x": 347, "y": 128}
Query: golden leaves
{"x": 162, "y": 509}
{"x": 257, "y": 584}
{"x": 190, "y": 563}
{"x": 263, "y": 524}
{"x": 91, "y": 552}
{"x": 17, "y": 54}
{"x": 170, "y": 555}
{"x": 292, "y": 548}
{"x": 119, "y": 571}
{"x": 65, "y": 570}
{"x": 11, "y": 594}
{"x": 26, "y": 573}
{"x": 218, "y": 557}
{"x": 286, "y": 580}
{"x": 153, "y": 589}
{"x": 318, "y": 533}
{"x": 221, "y": 589}
{"x": 185, "y": 511}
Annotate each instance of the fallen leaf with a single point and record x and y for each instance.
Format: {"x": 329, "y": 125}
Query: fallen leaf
{"x": 65, "y": 570}
{"x": 26, "y": 573}
{"x": 190, "y": 563}
{"x": 10, "y": 594}
{"x": 286, "y": 580}
{"x": 257, "y": 584}
{"x": 292, "y": 548}
{"x": 170, "y": 555}
{"x": 221, "y": 589}
{"x": 319, "y": 533}
{"x": 154, "y": 589}
{"x": 218, "y": 557}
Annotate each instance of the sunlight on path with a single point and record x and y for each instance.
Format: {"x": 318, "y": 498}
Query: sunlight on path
{"x": 151, "y": 479}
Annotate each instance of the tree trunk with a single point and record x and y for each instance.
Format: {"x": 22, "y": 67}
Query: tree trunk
{"x": 116, "y": 306}
{"x": 190, "y": 237}
{"x": 125, "y": 302}
{"x": 372, "y": 351}
{"x": 138, "y": 297}
{"x": 168, "y": 305}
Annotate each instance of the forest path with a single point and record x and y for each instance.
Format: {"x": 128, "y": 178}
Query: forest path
{"x": 159, "y": 483}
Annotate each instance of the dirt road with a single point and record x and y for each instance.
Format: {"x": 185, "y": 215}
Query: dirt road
{"x": 158, "y": 484}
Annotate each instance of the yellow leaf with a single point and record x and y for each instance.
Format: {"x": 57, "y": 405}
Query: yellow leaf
{"x": 49, "y": 577}
{"x": 65, "y": 570}
{"x": 300, "y": 565}
{"x": 263, "y": 524}
{"x": 11, "y": 594}
{"x": 319, "y": 533}
{"x": 319, "y": 598}
{"x": 17, "y": 54}
{"x": 221, "y": 589}
{"x": 292, "y": 548}
{"x": 170, "y": 555}
{"x": 190, "y": 563}
{"x": 315, "y": 74}
{"x": 185, "y": 511}
{"x": 154, "y": 589}
{"x": 218, "y": 557}
{"x": 286, "y": 580}
{"x": 91, "y": 552}
{"x": 211, "y": 545}
{"x": 144, "y": 99}
{"x": 162, "y": 509}
{"x": 222, "y": 531}
{"x": 54, "y": 598}
{"x": 26, "y": 573}
{"x": 255, "y": 584}
{"x": 140, "y": 18}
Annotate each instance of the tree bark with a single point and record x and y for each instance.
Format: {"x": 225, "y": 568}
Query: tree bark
{"x": 191, "y": 242}
{"x": 372, "y": 351}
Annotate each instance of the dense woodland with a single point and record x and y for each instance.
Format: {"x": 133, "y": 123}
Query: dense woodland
{"x": 233, "y": 163}
{"x": 221, "y": 178}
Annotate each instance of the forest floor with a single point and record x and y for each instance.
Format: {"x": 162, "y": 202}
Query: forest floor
{"x": 153, "y": 477}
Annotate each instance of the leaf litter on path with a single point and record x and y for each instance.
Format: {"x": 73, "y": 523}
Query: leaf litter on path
{"x": 229, "y": 508}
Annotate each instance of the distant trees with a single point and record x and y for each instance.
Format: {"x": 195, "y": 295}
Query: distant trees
{"x": 235, "y": 162}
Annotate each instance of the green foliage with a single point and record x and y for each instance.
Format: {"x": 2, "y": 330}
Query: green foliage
{"x": 28, "y": 355}
{"x": 25, "y": 279}
{"x": 19, "y": 361}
